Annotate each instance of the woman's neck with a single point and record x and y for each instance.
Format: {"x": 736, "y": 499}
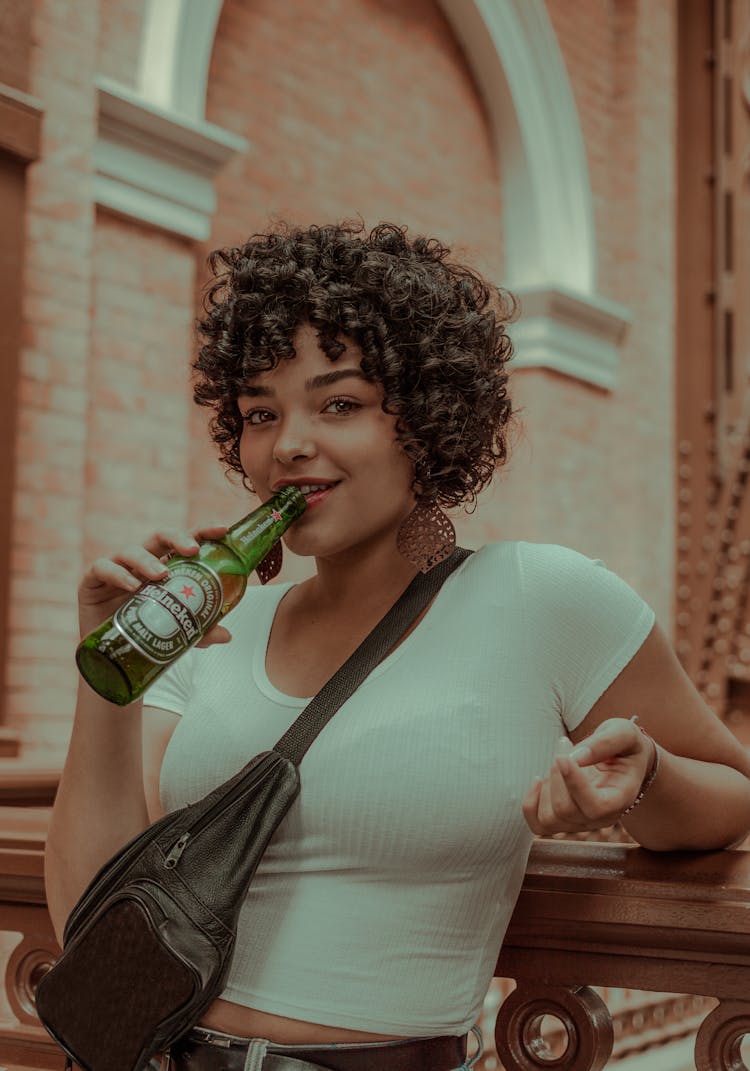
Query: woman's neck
{"x": 358, "y": 588}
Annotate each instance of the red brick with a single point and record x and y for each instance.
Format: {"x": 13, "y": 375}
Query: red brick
{"x": 348, "y": 107}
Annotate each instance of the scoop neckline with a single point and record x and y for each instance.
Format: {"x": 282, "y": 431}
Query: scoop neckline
{"x": 269, "y": 689}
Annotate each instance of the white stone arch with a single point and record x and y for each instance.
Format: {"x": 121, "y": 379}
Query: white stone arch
{"x": 513, "y": 52}
{"x": 176, "y": 45}
{"x": 514, "y": 56}
{"x": 548, "y": 225}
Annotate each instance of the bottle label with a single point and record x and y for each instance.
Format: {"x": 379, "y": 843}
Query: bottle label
{"x": 163, "y": 620}
{"x": 244, "y": 539}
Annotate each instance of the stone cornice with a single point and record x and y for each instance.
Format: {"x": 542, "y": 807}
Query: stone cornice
{"x": 20, "y": 123}
{"x": 158, "y": 166}
{"x": 576, "y": 334}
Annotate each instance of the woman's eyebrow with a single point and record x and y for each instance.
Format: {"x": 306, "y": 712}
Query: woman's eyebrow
{"x": 327, "y": 379}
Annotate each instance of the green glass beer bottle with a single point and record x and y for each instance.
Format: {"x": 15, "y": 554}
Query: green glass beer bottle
{"x": 164, "y": 618}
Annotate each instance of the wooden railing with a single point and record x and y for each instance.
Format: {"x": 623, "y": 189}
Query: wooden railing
{"x": 615, "y": 915}
{"x": 589, "y": 915}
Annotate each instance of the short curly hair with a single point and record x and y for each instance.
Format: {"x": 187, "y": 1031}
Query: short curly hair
{"x": 431, "y": 331}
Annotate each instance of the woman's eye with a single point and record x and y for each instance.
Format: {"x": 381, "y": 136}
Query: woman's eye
{"x": 248, "y": 418}
{"x": 343, "y": 402}
{"x": 344, "y": 406}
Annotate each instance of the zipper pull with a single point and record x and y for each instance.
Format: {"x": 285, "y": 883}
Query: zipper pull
{"x": 176, "y": 851}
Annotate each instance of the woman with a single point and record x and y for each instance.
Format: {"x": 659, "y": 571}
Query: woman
{"x": 370, "y": 369}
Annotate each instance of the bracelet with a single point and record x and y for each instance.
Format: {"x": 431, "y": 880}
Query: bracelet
{"x": 648, "y": 780}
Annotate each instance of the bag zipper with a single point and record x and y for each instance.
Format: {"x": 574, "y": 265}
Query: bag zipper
{"x": 127, "y": 853}
{"x": 175, "y": 852}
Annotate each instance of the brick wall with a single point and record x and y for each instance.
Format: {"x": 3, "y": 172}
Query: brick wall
{"x": 47, "y": 532}
{"x": 119, "y": 39}
{"x": 594, "y": 470}
{"x": 349, "y": 108}
{"x": 355, "y": 106}
{"x": 137, "y": 473}
{"x": 15, "y": 20}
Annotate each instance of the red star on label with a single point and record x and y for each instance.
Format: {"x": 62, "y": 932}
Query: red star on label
{"x": 276, "y": 515}
{"x": 188, "y": 592}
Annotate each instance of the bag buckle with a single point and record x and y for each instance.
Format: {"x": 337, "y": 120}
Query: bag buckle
{"x": 256, "y": 1054}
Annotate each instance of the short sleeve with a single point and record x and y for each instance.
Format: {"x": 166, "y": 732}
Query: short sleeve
{"x": 585, "y": 623}
{"x": 172, "y": 689}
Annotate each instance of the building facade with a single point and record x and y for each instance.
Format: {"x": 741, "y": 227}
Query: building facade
{"x": 592, "y": 157}
{"x": 537, "y": 138}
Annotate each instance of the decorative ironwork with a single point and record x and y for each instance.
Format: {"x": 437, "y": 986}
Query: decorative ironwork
{"x": 712, "y": 603}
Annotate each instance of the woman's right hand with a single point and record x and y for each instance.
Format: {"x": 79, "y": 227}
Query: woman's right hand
{"x": 109, "y": 582}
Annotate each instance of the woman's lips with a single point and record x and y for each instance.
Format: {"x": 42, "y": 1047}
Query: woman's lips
{"x": 316, "y": 497}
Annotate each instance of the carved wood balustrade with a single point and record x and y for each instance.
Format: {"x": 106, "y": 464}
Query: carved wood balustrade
{"x": 589, "y": 915}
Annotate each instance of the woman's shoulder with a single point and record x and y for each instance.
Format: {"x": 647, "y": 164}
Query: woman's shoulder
{"x": 524, "y": 553}
{"x": 546, "y": 571}
{"x": 555, "y": 556}
{"x": 560, "y": 578}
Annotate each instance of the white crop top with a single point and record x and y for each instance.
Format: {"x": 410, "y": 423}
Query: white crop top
{"x": 382, "y": 901}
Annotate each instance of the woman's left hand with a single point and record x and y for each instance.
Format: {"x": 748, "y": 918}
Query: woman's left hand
{"x": 590, "y": 787}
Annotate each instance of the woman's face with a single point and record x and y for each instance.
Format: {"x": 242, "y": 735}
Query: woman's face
{"x": 310, "y": 421}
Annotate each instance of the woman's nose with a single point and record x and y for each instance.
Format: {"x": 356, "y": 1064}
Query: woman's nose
{"x": 293, "y": 444}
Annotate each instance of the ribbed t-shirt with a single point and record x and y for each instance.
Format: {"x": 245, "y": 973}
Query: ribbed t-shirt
{"x": 383, "y": 898}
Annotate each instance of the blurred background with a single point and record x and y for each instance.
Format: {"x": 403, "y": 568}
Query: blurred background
{"x": 593, "y": 156}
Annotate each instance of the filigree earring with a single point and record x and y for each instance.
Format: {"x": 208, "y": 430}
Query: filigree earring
{"x": 270, "y": 567}
{"x": 427, "y": 536}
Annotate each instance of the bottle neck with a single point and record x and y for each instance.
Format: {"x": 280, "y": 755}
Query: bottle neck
{"x": 252, "y": 538}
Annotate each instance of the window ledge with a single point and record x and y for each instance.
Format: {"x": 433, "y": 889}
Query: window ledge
{"x": 20, "y": 123}
{"x": 156, "y": 165}
{"x": 576, "y": 334}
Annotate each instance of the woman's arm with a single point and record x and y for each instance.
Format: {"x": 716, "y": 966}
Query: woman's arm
{"x": 700, "y": 797}
{"x": 101, "y": 800}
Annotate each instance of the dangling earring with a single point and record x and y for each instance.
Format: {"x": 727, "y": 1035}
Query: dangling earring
{"x": 427, "y": 536}
{"x": 270, "y": 566}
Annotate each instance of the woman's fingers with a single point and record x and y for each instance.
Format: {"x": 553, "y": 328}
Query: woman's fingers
{"x": 614, "y": 737}
{"x": 215, "y": 531}
{"x": 140, "y": 562}
{"x": 218, "y": 634}
{"x": 125, "y": 572}
{"x": 181, "y": 540}
{"x": 559, "y": 812}
{"x": 147, "y": 562}
{"x": 107, "y": 573}
{"x": 171, "y": 541}
{"x": 572, "y": 799}
{"x": 559, "y": 804}
{"x": 592, "y": 804}
{"x": 108, "y": 582}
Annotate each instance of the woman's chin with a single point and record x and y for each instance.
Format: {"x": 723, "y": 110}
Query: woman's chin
{"x": 305, "y": 546}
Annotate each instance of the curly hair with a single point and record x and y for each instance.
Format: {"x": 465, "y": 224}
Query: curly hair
{"x": 431, "y": 332}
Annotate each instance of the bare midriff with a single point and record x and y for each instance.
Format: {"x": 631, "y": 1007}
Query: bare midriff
{"x": 230, "y": 1018}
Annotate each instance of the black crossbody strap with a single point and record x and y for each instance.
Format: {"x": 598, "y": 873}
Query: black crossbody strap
{"x": 321, "y": 708}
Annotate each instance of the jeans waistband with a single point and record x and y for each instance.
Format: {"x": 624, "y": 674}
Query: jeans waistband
{"x": 208, "y": 1050}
